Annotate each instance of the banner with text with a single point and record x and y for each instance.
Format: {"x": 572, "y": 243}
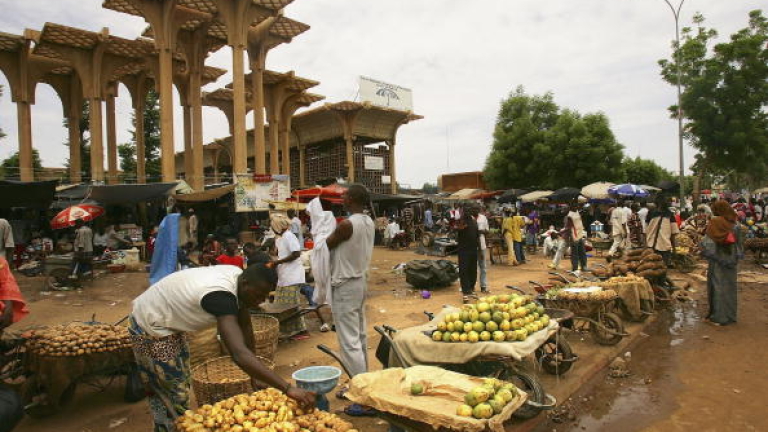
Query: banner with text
{"x": 253, "y": 191}
{"x": 385, "y": 94}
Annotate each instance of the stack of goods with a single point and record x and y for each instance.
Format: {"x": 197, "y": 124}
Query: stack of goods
{"x": 756, "y": 244}
{"x": 498, "y": 318}
{"x": 578, "y": 296}
{"x": 683, "y": 244}
{"x": 78, "y": 340}
{"x": 643, "y": 262}
{"x": 487, "y": 400}
{"x": 264, "y": 411}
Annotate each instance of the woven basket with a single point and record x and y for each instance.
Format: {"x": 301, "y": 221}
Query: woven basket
{"x": 220, "y": 378}
{"x": 266, "y": 331}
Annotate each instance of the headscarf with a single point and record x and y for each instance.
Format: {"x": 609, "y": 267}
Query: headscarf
{"x": 723, "y": 222}
{"x": 279, "y": 222}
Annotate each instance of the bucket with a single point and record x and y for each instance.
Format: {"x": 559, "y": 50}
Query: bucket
{"x": 132, "y": 261}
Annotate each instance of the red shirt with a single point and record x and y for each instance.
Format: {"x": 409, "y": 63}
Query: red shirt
{"x": 231, "y": 260}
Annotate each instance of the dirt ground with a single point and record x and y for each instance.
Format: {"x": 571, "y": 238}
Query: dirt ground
{"x": 684, "y": 375}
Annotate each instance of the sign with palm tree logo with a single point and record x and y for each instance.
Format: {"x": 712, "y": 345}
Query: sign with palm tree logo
{"x": 385, "y": 94}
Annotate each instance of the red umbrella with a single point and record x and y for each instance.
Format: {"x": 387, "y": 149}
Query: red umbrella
{"x": 332, "y": 193}
{"x": 67, "y": 217}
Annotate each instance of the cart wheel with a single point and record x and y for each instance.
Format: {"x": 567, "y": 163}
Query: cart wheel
{"x": 58, "y": 279}
{"x": 555, "y": 356}
{"x": 427, "y": 239}
{"x": 530, "y": 384}
{"x": 134, "y": 387}
{"x": 646, "y": 309}
{"x": 611, "y": 322}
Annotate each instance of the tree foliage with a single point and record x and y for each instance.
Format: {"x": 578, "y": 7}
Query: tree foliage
{"x": 10, "y": 165}
{"x": 538, "y": 144}
{"x": 127, "y": 151}
{"x": 724, "y": 95}
{"x": 430, "y": 188}
{"x": 641, "y": 171}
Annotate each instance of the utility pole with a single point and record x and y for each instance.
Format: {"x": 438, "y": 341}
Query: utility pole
{"x": 676, "y": 14}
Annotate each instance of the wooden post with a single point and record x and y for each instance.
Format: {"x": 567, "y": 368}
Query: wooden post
{"x": 257, "y": 99}
{"x": 141, "y": 160}
{"x": 73, "y": 119}
{"x": 392, "y": 171}
{"x": 111, "y": 141}
{"x": 188, "y": 152}
{"x": 26, "y": 168}
{"x": 97, "y": 143}
{"x": 302, "y": 176}
{"x": 239, "y": 152}
{"x": 165, "y": 87}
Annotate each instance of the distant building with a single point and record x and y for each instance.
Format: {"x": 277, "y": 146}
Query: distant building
{"x": 457, "y": 181}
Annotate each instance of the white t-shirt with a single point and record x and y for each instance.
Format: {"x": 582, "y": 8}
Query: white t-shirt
{"x": 482, "y": 225}
{"x": 290, "y": 273}
{"x": 643, "y": 213}
{"x": 173, "y": 304}
{"x": 578, "y": 225}
{"x": 618, "y": 220}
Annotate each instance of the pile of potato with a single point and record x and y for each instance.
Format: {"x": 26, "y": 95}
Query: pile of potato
{"x": 596, "y": 296}
{"x": 263, "y": 411}
{"x": 76, "y": 340}
{"x": 643, "y": 262}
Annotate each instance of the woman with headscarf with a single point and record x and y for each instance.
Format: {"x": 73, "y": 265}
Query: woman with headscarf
{"x": 722, "y": 248}
{"x": 290, "y": 274}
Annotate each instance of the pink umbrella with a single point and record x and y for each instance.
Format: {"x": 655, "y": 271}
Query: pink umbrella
{"x": 67, "y": 217}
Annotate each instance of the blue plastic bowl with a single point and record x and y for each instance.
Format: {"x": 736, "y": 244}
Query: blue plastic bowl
{"x": 318, "y": 379}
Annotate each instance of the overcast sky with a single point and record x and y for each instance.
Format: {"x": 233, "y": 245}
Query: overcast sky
{"x": 460, "y": 58}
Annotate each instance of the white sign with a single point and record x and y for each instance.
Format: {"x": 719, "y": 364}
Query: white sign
{"x": 374, "y": 163}
{"x": 252, "y": 193}
{"x": 386, "y": 180}
{"x": 385, "y": 95}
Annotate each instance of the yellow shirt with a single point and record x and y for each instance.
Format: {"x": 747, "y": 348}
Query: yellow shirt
{"x": 514, "y": 225}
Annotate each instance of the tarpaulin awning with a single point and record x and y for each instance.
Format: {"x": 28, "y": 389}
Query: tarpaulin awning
{"x": 27, "y": 194}
{"x": 535, "y": 196}
{"x": 389, "y": 198}
{"x": 465, "y": 194}
{"x": 565, "y": 194}
{"x": 331, "y": 193}
{"x": 130, "y": 193}
{"x": 486, "y": 195}
{"x": 203, "y": 196}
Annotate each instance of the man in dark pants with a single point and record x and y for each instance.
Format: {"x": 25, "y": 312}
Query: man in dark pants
{"x": 468, "y": 239}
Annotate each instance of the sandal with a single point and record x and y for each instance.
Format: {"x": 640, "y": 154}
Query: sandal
{"x": 342, "y": 393}
{"x": 357, "y": 410}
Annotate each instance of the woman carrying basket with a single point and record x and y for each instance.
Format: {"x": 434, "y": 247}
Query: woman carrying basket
{"x": 189, "y": 301}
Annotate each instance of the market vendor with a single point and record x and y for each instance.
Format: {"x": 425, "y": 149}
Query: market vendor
{"x": 12, "y": 309}
{"x": 192, "y": 300}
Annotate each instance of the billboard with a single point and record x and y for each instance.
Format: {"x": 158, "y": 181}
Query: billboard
{"x": 385, "y": 94}
{"x": 373, "y": 163}
{"x": 253, "y": 191}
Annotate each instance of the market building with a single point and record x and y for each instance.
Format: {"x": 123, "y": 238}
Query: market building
{"x": 350, "y": 140}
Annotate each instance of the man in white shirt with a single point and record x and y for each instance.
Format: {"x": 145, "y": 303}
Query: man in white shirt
{"x": 575, "y": 236}
{"x": 643, "y": 214}
{"x": 290, "y": 273}
{"x": 6, "y": 240}
{"x": 618, "y": 229}
{"x": 482, "y": 261}
{"x": 296, "y": 227}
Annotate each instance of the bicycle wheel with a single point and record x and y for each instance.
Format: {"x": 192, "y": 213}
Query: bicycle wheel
{"x": 528, "y": 383}
{"x": 609, "y": 321}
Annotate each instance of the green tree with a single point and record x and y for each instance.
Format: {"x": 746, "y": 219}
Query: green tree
{"x": 724, "y": 97}
{"x": 430, "y": 188}
{"x": 127, "y": 151}
{"x": 127, "y": 154}
{"x": 538, "y": 144}
{"x": 10, "y": 165}
{"x": 641, "y": 171}
{"x": 519, "y": 152}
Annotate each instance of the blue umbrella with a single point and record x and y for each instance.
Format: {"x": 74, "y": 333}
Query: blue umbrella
{"x": 628, "y": 190}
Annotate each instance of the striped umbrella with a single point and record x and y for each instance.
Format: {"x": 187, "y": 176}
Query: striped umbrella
{"x": 67, "y": 217}
{"x": 628, "y": 190}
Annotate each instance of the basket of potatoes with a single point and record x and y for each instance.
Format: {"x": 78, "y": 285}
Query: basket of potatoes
{"x": 265, "y": 411}
{"x": 78, "y": 339}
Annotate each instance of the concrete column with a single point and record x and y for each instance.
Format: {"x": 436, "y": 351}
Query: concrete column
{"x": 392, "y": 171}
{"x": 75, "y": 167}
{"x": 302, "y": 175}
{"x": 24, "y": 114}
{"x": 257, "y": 99}
{"x": 216, "y": 166}
{"x": 141, "y": 160}
{"x": 239, "y": 153}
{"x": 274, "y": 146}
{"x": 165, "y": 88}
{"x": 350, "y": 158}
{"x": 188, "y": 151}
{"x": 111, "y": 141}
{"x": 198, "y": 174}
{"x": 285, "y": 146}
{"x": 97, "y": 143}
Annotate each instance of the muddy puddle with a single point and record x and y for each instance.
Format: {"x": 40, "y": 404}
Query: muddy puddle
{"x": 613, "y": 401}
